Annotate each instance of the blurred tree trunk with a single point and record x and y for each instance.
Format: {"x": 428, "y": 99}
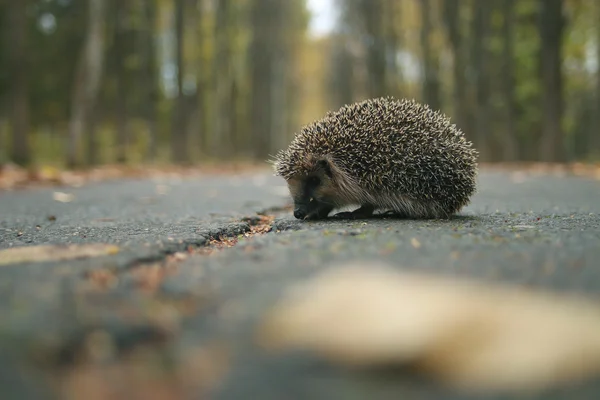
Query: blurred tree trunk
{"x": 222, "y": 140}
{"x": 283, "y": 26}
{"x": 262, "y": 15}
{"x": 199, "y": 120}
{"x": 595, "y": 133}
{"x": 294, "y": 46}
{"x": 373, "y": 11}
{"x": 509, "y": 136}
{"x": 341, "y": 73}
{"x": 93, "y": 158}
{"x": 17, "y": 31}
{"x": 584, "y": 128}
{"x": 347, "y": 74}
{"x": 279, "y": 86}
{"x": 87, "y": 79}
{"x": 120, "y": 110}
{"x": 551, "y": 28}
{"x": 151, "y": 78}
{"x": 453, "y": 22}
{"x": 239, "y": 132}
{"x": 393, "y": 43}
{"x": 431, "y": 82}
{"x": 179, "y": 137}
{"x": 480, "y": 54}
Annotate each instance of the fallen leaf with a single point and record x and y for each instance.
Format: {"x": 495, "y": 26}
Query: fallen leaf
{"x": 112, "y": 250}
{"x": 63, "y": 197}
{"x": 180, "y": 256}
{"x": 43, "y": 253}
{"x": 415, "y": 243}
{"x": 474, "y": 336}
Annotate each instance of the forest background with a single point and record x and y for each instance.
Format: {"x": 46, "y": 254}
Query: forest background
{"x": 85, "y": 83}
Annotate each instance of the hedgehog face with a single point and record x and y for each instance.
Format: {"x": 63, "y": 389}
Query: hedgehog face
{"x": 311, "y": 191}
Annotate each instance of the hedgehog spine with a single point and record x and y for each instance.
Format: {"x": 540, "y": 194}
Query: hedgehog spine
{"x": 381, "y": 153}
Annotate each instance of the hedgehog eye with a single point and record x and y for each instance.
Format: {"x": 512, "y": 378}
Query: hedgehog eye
{"x": 324, "y": 165}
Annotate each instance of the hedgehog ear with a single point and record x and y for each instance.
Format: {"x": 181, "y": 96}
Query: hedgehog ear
{"x": 323, "y": 164}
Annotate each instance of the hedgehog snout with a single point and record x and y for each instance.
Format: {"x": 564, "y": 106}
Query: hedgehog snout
{"x": 303, "y": 210}
{"x": 300, "y": 212}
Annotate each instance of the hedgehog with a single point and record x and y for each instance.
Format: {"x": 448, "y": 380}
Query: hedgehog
{"x": 385, "y": 154}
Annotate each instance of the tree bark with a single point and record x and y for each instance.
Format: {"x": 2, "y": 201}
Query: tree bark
{"x": 93, "y": 158}
{"x": 509, "y": 137}
{"x": 376, "y": 54}
{"x": 595, "y": 134}
{"x": 453, "y": 23}
{"x": 393, "y": 43}
{"x": 480, "y": 55}
{"x": 341, "y": 73}
{"x": 278, "y": 97}
{"x": 151, "y": 79}
{"x": 179, "y": 136}
{"x": 551, "y": 29}
{"x": 120, "y": 110}
{"x": 87, "y": 79}
{"x": 17, "y": 29}
{"x": 223, "y": 138}
{"x": 261, "y": 52}
{"x": 431, "y": 82}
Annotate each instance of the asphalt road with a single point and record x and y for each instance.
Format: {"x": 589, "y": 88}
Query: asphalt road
{"x": 534, "y": 230}
{"x": 133, "y": 211}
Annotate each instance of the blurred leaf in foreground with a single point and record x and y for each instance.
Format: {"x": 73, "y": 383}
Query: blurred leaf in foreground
{"x": 43, "y": 253}
{"x": 471, "y": 335}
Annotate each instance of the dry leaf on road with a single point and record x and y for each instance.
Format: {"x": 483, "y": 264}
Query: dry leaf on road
{"x": 471, "y": 335}
{"x": 43, "y": 253}
{"x": 63, "y": 197}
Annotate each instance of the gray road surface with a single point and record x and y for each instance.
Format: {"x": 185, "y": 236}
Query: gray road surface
{"x": 539, "y": 231}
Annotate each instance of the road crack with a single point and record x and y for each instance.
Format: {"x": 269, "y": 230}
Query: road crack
{"x": 148, "y": 273}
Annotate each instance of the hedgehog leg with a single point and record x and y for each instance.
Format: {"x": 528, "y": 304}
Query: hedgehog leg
{"x": 395, "y": 214}
{"x": 364, "y": 211}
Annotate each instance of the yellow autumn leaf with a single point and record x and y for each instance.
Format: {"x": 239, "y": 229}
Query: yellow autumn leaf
{"x": 16, "y": 255}
{"x": 415, "y": 243}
